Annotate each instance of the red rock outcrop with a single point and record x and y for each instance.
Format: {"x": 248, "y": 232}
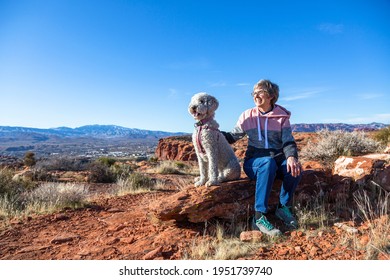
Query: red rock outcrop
{"x": 181, "y": 148}
{"x": 362, "y": 169}
{"x": 176, "y": 148}
{"x": 231, "y": 200}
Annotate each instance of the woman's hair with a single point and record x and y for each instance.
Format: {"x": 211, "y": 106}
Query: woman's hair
{"x": 271, "y": 88}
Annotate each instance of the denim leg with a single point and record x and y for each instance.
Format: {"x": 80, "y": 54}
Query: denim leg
{"x": 289, "y": 184}
{"x": 264, "y": 171}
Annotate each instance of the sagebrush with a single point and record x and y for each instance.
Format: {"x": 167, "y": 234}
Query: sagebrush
{"x": 332, "y": 144}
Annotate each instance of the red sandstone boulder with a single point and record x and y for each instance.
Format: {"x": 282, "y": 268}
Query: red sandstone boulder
{"x": 176, "y": 148}
{"x": 181, "y": 148}
{"x": 229, "y": 201}
{"x": 363, "y": 168}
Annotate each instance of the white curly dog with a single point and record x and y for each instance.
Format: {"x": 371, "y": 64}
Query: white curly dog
{"x": 216, "y": 158}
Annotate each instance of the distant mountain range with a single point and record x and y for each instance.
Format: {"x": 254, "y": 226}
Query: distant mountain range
{"x": 109, "y": 140}
{"x": 95, "y": 131}
{"x": 303, "y": 127}
{"x": 114, "y": 131}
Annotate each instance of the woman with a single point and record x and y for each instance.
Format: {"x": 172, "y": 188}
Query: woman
{"x": 271, "y": 153}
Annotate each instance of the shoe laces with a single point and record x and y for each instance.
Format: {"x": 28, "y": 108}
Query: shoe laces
{"x": 263, "y": 220}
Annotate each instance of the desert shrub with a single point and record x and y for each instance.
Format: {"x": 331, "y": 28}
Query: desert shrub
{"x": 10, "y": 186}
{"x": 29, "y": 159}
{"x": 173, "y": 167}
{"x": 7, "y": 185}
{"x": 49, "y": 197}
{"x": 63, "y": 164}
{"x": 383, "y": 135}
{"x": 168, "y": 167}
{"x": 121, "y": 170}
{"x": 100, "y": 173}
{"x": 134, "y": 183}
{"x": 106, "y": 161}
{"x": 333, "y": 144}
{"x": 46, "y": 198}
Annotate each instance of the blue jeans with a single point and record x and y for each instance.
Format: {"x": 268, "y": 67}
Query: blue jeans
{"x": 264, "y": 170}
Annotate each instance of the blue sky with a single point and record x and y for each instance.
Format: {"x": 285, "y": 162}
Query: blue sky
{"x": 137, "y": 63}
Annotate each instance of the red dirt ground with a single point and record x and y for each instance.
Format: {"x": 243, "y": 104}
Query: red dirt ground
{"x": 123, "y": 228}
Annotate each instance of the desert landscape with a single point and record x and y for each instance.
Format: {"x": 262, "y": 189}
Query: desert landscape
{"x": 147, "y": 209}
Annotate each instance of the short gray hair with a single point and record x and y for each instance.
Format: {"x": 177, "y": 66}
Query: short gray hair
{"x": 271, "y": 88}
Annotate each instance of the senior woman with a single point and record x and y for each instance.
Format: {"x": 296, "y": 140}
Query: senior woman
{"x": 271, "y": 153}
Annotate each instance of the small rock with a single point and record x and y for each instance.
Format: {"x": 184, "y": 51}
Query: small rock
{"x": 364, "y": 240}
{"x": 313, "y": 251}
{"x": 251, "y": 236}
{"x": 283, "y": 251}
{"x": 114, "y": 210}
{"x": 63, "y": 238}
{"x": 298, "y": 249}
{"x": 60, "y": 217}
{"x": 156, "y": 253}
{"x": 127, "y": 240}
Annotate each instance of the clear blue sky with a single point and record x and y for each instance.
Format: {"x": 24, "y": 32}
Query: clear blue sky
{"x": 136, "y": 63}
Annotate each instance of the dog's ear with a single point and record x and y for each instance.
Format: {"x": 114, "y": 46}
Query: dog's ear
{"x": 212, "y": 102}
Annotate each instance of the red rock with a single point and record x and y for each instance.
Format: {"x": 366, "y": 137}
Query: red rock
{"x": 359, "y": 168}
{"x": 154, "y": 254}
{"x": 251, "y": 236}
{"x": 64, "y": 238}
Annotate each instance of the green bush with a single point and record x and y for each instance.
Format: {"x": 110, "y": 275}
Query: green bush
{"x": 100, "y": 173}
{"x": 7, "y": 185}
{"x": 106, "y": 161}
{"x": 383, "y": 135}
{"x": 29, "y": 159}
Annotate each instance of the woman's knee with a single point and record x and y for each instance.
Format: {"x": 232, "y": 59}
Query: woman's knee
{"x": 261, "y": 165}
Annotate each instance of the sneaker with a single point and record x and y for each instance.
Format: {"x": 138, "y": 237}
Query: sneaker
{"x": 284, "y": 213}
{"x": 265, "y": 226}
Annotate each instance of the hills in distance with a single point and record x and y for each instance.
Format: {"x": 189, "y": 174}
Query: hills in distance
{"x": 303, "y": 127}
{"x": 114, "y": 131}
{"x": 111, "y": 140}
{"x": 95, "y": 131}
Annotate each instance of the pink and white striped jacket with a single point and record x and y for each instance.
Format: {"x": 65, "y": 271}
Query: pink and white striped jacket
{"x": 269, "y": 134}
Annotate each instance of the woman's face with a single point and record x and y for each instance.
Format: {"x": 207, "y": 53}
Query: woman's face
{"x": 262, "y": 100}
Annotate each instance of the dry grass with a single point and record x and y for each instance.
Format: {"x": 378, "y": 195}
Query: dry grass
{"x": 375, "y": 212}
{"x": 50, "y": 197}
{"x": 221, "y": 246}
{"x": 46, "y": 198}
{"x": 134, "y": 183}
{"x": 175, "y": 167}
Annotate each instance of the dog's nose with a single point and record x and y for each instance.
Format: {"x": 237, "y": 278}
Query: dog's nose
{"x": 193, "y": 107}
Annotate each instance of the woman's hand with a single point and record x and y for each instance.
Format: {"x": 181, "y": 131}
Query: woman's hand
{"x": 293, "y": 166}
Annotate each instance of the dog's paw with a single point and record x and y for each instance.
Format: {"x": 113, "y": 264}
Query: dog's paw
{"x": 199, "y": 182}
{"x": 212, "y": 183}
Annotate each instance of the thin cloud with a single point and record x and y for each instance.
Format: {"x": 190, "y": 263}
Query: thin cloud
{"x": 301, "y": 95}
{"x": 367, "y": 96}
{"x": 331, "y": 28}
{"x": 242, "y": 84}
{"x": 380, "y": 118}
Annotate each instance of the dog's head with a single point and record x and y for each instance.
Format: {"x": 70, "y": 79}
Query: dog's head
{"x": 202, "y": 106}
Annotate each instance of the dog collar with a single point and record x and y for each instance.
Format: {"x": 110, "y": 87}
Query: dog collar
{"x": 202, "y": 122}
